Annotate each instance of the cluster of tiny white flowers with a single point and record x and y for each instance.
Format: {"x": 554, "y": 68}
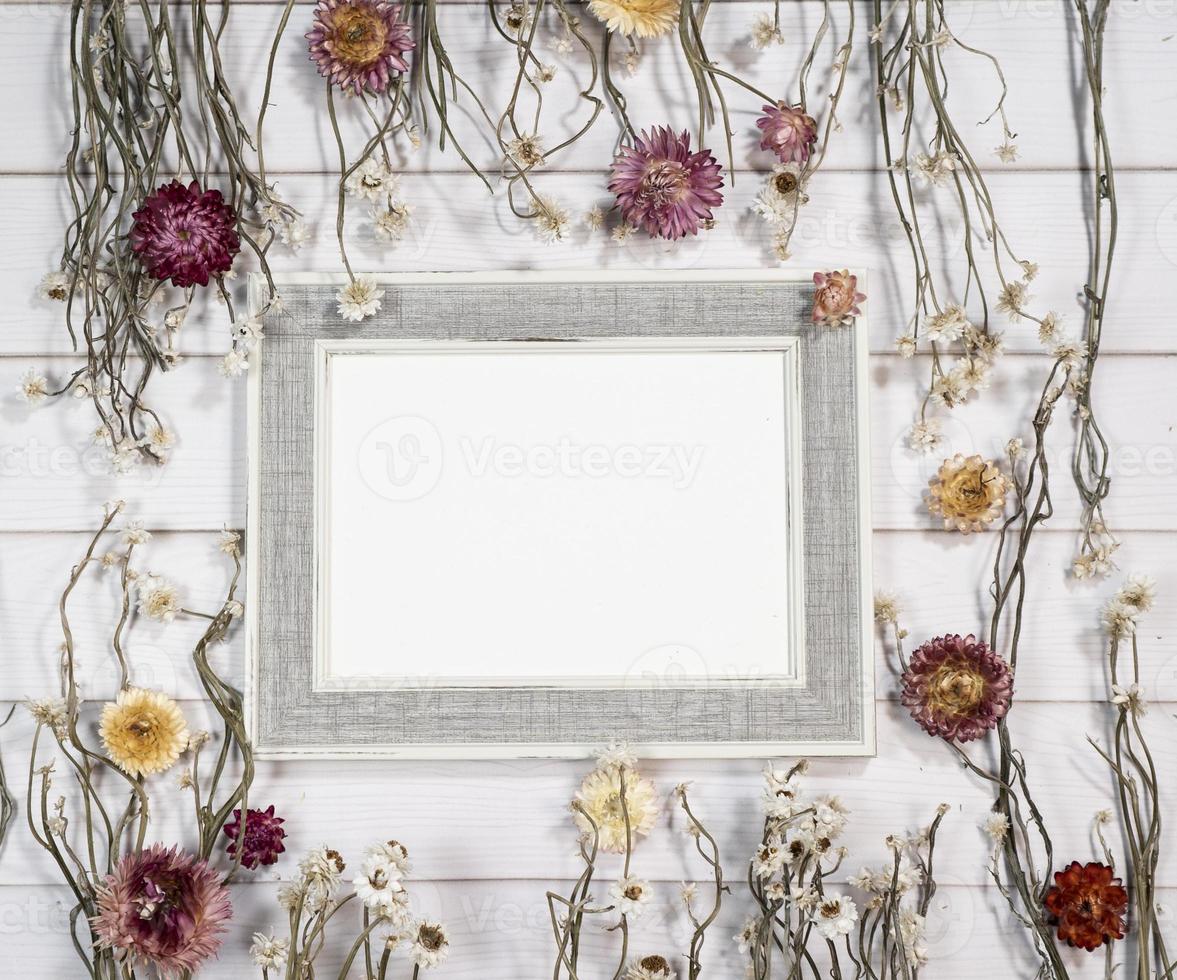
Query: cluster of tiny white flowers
{"x": 1135, "y": 597}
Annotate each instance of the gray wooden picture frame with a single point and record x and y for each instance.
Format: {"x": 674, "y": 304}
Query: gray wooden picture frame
{"x": 828, "y": 711}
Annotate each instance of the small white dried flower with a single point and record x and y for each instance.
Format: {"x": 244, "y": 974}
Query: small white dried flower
{"x": 925, "y": 436}
{"x": 391, "y": 223}
{"x": 1049, "y": 328}
{"x": 996, "y": 827}
{"x": 430, "y": 944}
{"x": 835, "y": 916}
{"x": 135, "y": 533}
{"x": 765, "y": 32}
{"x": 594, "y": 219}
{"x": 33, "y": 387}
{"x": 551, "y": 220}
{"x": 229, "y": 542}
{"x": 1119, "y": 619}
{"x": 1012, "y": 299}
{"x": 631, "y": 896}
{"x": 359, "y": 299}
{"x": 234, "y": 364}
{"x": 527, "y": 150}
{"x": 371, "y": 181}
{"x": 1129, "y": 698}
{"x": 886, "y": 607}
{"x": 1139, "y": 592}
{"x": 616, "y": 756}
{"x": 1070, "y": 352}
{"x": 295, "y": 234}
{"x": 1015, "y": 448}
{"x": 905, "y": 344}
{"x": 1093, "y": 564}
{"x": 158, "y": 599}
{"x": 55, "y": 286}
{"x": 268, "y": 952}
{"x": 160, "y": 440}
{"x": 1007, "y": 152}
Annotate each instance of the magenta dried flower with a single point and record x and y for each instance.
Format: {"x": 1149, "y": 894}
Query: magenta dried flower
{"x": 789, "y": 132}
{"x": 262, "y": 842}
{"x": 957, "y": 688}
{"x": 185, "y": 234}
{"x": 359, "y": 44}
{"x": 663, "y": 187}
{"x": 164, "y": 909}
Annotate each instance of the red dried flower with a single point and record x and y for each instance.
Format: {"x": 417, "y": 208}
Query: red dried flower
{"x": 957, "y": 688}
{"x": 263, "y": 837}
{"x": 164, "y": 909}
{"x": 359, "y": 44}
{"x": 663, "y": 187}
{"x": 185, "y": 234}
{"x": 1088, "y": 904}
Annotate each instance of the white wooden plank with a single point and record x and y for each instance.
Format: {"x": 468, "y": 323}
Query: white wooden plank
{"x": 500, "y": 931}
{"x": 52, "y": 475}
{"x": 915, "y": 564}
{"x": 1036, "y": 44}
{"x": 522, "y": 829}
{"x": 848, "y": 221}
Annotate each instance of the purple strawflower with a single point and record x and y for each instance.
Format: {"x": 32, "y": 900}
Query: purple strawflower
{"x": 185, "y": 234}
{"x": 359, "y": 44}
{"x": 957, "y": 688}
{"x": 162, "y": 908}
{"x": 663, "y": 187}
{"x": 263, "y": 837}
{"x": 788, "y": 132}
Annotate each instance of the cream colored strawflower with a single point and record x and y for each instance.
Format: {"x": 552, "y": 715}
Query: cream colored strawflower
{"x": 599, "y": 799}
{"x": 969, "y": 493}
{"x": 143, "y": 731}
{"x": 158, "y": 598}
{"x": 636, "y": 18}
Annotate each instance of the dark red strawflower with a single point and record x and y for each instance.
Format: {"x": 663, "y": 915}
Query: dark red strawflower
{"x": 263, "y": 837}
{"x": 957, "y": 688}
{"x": 1088, "y": 905}
{"x": 185, "y": 234}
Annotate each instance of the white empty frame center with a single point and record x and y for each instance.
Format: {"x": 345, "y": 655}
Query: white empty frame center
{"x": 620, "y": 512}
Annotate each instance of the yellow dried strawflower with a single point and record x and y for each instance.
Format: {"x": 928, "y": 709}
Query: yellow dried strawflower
{"x": 143, "y": 731}
{"x": 969, "y": 493}
{"x": 640, "y": 18}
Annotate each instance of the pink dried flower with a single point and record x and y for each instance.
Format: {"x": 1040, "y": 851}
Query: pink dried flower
{"x": 185, "y": 234}
{"x": 360, "y": 44}
{"x": 663, "y": 187}
{"x": 836, "y": 299}
{"x": 163, "y": 908}
{"x": 957, "y": 688}
{"x": 789, "y": 132}
{"x": 263, "y": 838}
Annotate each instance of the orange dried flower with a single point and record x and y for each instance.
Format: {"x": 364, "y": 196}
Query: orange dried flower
{"x": 969, "y": 493}
{"x": 1088, "y": 904}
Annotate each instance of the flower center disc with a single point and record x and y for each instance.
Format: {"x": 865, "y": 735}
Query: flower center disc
{"x": 664, "y": 183}
{"x": 956, "y": 691}
{"x": 359, "y": 37}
